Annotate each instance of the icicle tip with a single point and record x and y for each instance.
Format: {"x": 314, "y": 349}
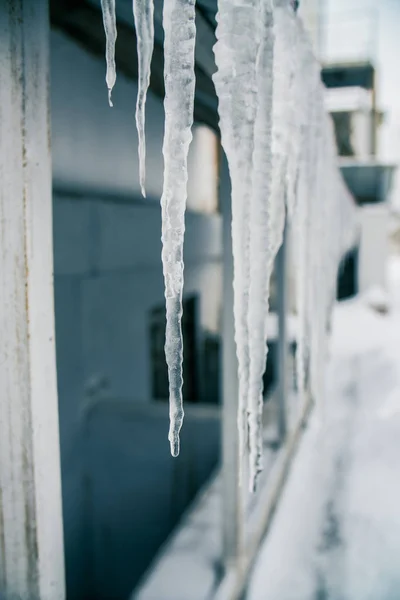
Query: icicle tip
{"x": 109, "y": 97}
{"x": 255, "y": 472}
{"x": 174, "y": 443}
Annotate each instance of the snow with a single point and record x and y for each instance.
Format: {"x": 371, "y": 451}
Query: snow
{"x": 347, "y": 99}
{"x": 110, "y": 28}
{"x": 193, "y": 550}
{"x": 336, "y": 533}
{"x": 143, "y": 11}
{"x": 179, "y": 43}
{"x": 378, "y": 299}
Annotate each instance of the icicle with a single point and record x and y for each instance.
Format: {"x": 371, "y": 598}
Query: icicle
{"x": 313, "y": 251}
{"x": 280, "y": 146}
{"x": 143, "y": 11}
{"x": 110, "y": 27}
{"x": 179, "y": 45}
{"x": 318, "y": 254}
{"x": 262, "y": 240}
{"x": 298, "y": 102}
{"x": 316, "y": 202}
{"x": 236, "y": 53}
{"x": 281, "y": 130}
{"x": 302, "y": 212}
{"x": 300, "y": 231}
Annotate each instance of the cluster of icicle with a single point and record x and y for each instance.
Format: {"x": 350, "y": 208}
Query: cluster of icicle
{"x": 280, "y": 147}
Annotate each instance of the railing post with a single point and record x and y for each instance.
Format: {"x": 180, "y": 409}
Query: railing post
{"x": 31, "y": 534}
{"x": 282, "y": 370}
{"x": 231, "y": 493}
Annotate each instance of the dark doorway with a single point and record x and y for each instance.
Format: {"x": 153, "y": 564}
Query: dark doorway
{"x": 347, "y": 277}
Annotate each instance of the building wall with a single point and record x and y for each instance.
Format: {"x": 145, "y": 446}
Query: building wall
{"x": 108, "y": 259}
{"x": 311, "y": 12}
{"x": 95, "y": 146}
{"x": 108, "y": 276}
{"x": 374, "y": 247}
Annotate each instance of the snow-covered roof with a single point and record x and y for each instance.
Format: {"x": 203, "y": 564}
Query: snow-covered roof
{"x": 347, "y": 99}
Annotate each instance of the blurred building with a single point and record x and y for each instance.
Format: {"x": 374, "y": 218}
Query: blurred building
{"x": 351, "y": 99}
{"x": 348, "y": 51}
{"x": 311, "y": 12}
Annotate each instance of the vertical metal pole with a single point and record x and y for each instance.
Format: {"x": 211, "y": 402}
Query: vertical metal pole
{"x": 231, "y": 493}
{"x": 31, "y": 533}
{"x": 282, "y": 296}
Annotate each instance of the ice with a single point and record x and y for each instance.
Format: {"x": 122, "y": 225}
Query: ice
{"x": 262, "y": 246}
{"x": 281, "y": 117}
{"x": 236, "y": 51}
{"x": 179, "y": 43}
{"x": 143, "y": 11}
{"x": 110, "y": 28}
{"x": 297, "y": 110}
{"x": 319, "y": 208}
{"x": 280, "y": 146}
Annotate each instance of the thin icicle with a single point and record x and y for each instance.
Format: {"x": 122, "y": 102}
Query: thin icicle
{"x": 143, "y": 12}
{"x": 302, "y": 208}
{"x": 179, "y": 45}
{"x": 110, "y": 28}
{"x": 261, "y": 241}
{"x": 300, "y": 231}
{"x": 270, "y": 185}
{"x": 297, "y": 112}
{"x": 236, "y": 50}
{"x": 281, "y": 130}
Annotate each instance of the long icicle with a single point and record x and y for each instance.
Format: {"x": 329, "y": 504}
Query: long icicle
{"x": 143, "y": 12}
{"x": 236, "y": 52}
{"x": 110, "y": 28}
{"x": 179, "y": 45}
{"x": 261, "y": 241}
{"x": 298, "y": 200}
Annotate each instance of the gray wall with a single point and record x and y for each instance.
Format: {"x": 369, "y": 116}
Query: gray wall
{"x": 108, "y": 266}
{"x": 118, "y": 477}
{"x": 95, "y": 146}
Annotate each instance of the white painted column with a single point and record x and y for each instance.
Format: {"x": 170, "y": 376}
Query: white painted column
{"x": 31, "y": 536}
{"x": 232, "y": 521}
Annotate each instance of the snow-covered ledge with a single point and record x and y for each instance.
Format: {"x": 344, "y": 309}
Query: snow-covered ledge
{"x": 189, "y": 565}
